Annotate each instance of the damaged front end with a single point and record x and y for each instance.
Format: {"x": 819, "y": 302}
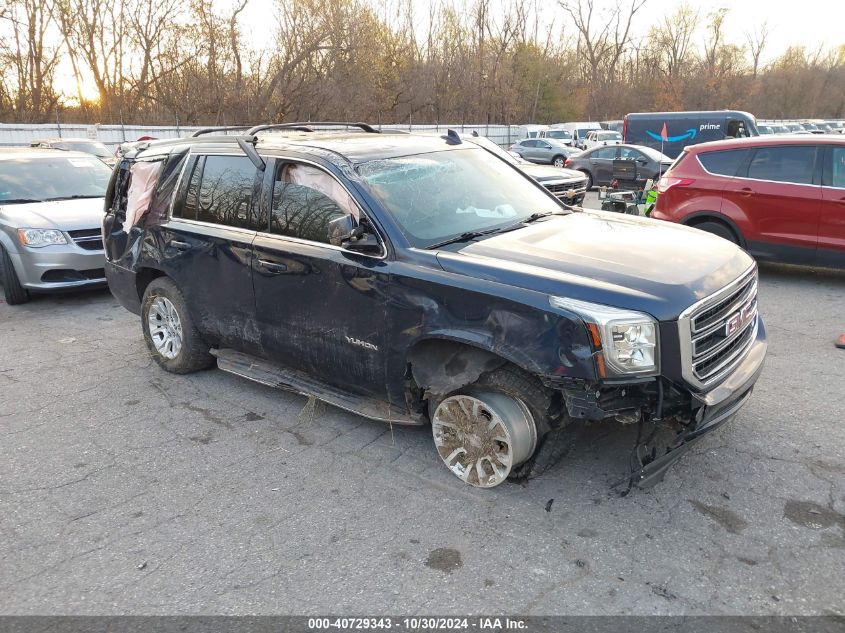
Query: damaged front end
{"x": 670, "y": 417}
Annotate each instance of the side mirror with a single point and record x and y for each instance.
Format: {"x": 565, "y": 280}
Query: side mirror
{"x": 347, "y": 233}
{"x": 364, "y": 243}
{"x": 340, "y": 229}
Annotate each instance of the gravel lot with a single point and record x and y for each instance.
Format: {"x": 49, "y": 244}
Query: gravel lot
{"x": 124, "y": 489}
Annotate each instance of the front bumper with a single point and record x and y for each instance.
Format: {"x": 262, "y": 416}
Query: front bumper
{"x": 718, "y": 406}
{"x": 59, "y": 267}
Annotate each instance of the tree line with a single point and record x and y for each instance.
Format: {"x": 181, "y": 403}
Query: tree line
{"x": 388, "y": 61}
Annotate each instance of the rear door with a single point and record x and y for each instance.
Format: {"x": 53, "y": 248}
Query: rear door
{"x": 528, "y": 148}
{"x": 320, "y": 307}
{"x": 601, "y": 164}
{"x": 207, "y": 245}
{"x": 831, "y": 251}
{"x": 779, "y": 190}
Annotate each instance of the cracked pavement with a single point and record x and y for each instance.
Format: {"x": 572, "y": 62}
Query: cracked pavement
{"x": 126, "y": 490}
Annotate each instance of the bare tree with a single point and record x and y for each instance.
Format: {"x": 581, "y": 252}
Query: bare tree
{"x": 756, "y": 43}
{"x": 603, "y": 37}
{"x": 29, "y": 57}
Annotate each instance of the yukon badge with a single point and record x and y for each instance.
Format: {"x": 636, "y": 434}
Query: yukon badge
{"x": 360, "y": 343}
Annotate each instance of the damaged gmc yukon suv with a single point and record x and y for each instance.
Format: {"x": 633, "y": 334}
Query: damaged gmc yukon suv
{"x": 423, "y": 279}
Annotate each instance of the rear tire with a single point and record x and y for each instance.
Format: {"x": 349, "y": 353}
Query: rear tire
{"x": 717, "y": 228}
{"x": 13, "y": 292}
{"x": 173, "y": 341}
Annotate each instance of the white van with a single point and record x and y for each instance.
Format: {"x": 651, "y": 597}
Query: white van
{"x": 531, "y": 131}
{"x": 579, "y": 130}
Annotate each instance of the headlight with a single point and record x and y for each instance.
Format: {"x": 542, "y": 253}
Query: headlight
{"x": 628, "y": 339}
{"x": 41, "y": 237}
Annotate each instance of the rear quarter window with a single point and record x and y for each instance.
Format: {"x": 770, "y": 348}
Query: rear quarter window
{"x": 722, "y": 163}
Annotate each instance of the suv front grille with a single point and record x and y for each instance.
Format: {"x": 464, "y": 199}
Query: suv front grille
{"x": 560, "y": 189}
{"x": 89, "y": 239}
{"x": 718, "y": 331}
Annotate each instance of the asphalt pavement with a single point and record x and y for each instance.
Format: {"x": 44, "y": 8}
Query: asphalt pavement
{"x": 127, "y": 490}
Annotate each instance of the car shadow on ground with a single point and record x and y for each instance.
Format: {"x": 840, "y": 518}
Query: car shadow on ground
{"x": 65, "y": 297}
{"x": 773, "y": 271}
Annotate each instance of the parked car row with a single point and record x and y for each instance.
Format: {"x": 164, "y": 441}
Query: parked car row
{"x": 439, "y": 279}
{"x": 801, "y": 127}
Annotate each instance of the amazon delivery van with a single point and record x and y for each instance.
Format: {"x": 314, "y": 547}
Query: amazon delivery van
{"x": 671, "y": 132}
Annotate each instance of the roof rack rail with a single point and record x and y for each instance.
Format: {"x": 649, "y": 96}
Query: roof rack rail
{"x": 302, "y": 127}
{"x": 222, "y": 128}
{"x": 307, "y": 126}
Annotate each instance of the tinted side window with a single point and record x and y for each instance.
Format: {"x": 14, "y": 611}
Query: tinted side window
{"x": 793, "y": 164}
{"x": 305, "y": 200}
{"x": 724, "y": 163}
{"x": 630, "y": 153}
{"x": 531, "y": 143}
{"x": 220, "y": 191}
{"x": 604, "y": 152}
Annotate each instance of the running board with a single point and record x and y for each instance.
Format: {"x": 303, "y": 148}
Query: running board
{"x": 273, "y": 375}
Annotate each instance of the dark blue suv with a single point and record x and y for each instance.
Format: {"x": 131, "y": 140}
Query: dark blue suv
{"x": 423, "y": 279}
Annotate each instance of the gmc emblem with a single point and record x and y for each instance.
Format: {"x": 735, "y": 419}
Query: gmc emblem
{"x": 737, "y": 321}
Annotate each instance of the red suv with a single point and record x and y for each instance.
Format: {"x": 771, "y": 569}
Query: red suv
{"x": 780, "y": 198}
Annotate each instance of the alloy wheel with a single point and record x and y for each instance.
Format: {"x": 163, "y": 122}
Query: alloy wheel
{"x": 165, "y": 327}
{"x": 482, "y": 438}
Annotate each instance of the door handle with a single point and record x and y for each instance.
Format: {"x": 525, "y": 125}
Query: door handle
{"x": 273, "y": 267}
{"x": 179, "y": 246}
{"x": 746, "y": 191}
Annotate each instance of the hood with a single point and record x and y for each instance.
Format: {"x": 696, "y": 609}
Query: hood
{"x": 624, "y": 261}
{"x": 66, "y": 215}
{"x": 545, "y": 173}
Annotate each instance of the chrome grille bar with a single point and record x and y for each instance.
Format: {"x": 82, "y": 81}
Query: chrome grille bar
{"x": 717, "y": 332}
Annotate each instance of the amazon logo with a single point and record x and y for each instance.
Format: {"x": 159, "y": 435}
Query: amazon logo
{"x": 664, "y": 137}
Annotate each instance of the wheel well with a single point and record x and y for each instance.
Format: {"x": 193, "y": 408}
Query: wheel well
{"x": 556, "y": 156}
{"x": 701, "y": 219}
{"x": 441, "y": 366}
{"x": 143, "y": 277}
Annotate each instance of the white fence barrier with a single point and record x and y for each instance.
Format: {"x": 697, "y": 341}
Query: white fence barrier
{"x": 12, "y": 134}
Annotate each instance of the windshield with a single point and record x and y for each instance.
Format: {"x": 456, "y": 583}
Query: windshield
{"x": 97, "y": 149}
{"x": 441, "y": 195}
{"x": 564, "y": 134}
{"x": 583, "y": 133}
{"x": 39, "y": 179}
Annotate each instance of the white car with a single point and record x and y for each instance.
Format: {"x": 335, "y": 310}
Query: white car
{"x": 602, "y": 137}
